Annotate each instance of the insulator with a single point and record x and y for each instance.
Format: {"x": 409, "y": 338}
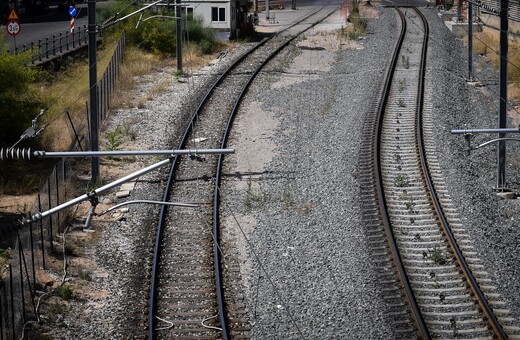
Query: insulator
{"x": 15, "y": 154}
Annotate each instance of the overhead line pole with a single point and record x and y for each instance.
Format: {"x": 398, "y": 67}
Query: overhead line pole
{"x": 92, "y": 62}
{"x": 470, "y": 41}
{"x": 179, "y": 35}
{"x": 502, "y": 116}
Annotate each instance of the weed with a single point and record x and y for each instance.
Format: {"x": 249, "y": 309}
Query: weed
{"x": 401, "y": 180}
{"x": 64, "y": 292}
{"x": 401, "y": 102}
{"x": 252, "y": 197}
{"x": 410, "y": 206}
{"x": 85, "y": 275}
{"x": 438, "y": 257}
{"x": 359, "y": 25}
{"x": 287, "y": 199}
{"x": 128, "y": 128}
{"x": 178, "y": 73}
{"x": 406, "y": 61}
{"x": 402, "y": 85}
{"x": 55, "y": 309}
{"x": 95, "y": 185}
{"x": 114, "y": 139}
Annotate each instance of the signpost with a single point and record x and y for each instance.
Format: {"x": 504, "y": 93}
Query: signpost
{"x": 13, "y": 26}
{"x": 72, "y": 12}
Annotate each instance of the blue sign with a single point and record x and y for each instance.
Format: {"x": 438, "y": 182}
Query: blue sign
{"x": 72, "y": 11}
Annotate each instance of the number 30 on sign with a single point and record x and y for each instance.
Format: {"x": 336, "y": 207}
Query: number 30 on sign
{"x": 13, "y": 28}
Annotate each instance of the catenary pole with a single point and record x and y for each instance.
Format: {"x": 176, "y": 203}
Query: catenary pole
{"x": 502, "y": 116}
{"x": 179, "y": 35}
{"x": 470, "y": 41}
{"x": 92, "y": 62}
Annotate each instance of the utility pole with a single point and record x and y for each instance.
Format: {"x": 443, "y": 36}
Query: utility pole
{"x": 179, "y": 35}
{"x": 92, "y": 62}
{"x": 267, "y": 9}
{"x": 502, "y": 116}
{"x": 293, "y": 6}
{"x": 470, "y": 41}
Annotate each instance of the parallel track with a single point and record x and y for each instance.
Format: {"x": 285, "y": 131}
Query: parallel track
{"x": 442, "y": 294}
{"x": 187, "y": 280}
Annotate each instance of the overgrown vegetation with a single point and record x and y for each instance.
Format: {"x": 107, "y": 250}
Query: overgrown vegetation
{"x": 487, "y": 43}
{"x": 438, "y": 257}
{"x": 158, "y": 35}
{"x": 359, "y": 25}
{"x": 19, "y": 103}
{"x": 24, "y": 91}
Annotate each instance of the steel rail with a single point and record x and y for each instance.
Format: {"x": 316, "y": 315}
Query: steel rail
{"x": 175, "y": 164}
{"x": 220, "y": 161}
{"x": 474, "y": 286}
{"x": 383, "y": 209}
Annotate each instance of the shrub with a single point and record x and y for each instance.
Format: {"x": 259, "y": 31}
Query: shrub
{"x": 158, "y": 35}
{"x": 18, "y": 104}
{"x": 194, "y": 31}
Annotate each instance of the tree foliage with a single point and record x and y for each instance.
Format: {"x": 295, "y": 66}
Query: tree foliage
{"x": 18, "y": 103}
{"x": 158, "y": 35}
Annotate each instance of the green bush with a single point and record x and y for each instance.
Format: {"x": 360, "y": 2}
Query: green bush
{"x": 158, "y": 35}
{"x": 18, "y": 103}
{"x": 194, "y": 31}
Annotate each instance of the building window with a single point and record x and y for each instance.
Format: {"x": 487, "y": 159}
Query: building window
{"x": 189, "y": 12}
{"x": 218, "y": 14}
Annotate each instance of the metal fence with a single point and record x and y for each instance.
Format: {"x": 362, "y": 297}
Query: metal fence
{"x": 35, "y": 242}
{"x": 56, "y": 46}
{"x": 107, "y": 82}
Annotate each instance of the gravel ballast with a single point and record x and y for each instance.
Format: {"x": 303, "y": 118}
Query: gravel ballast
{"x": 293, "y": 188}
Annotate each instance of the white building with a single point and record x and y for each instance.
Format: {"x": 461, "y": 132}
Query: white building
{"x": 223, "y": 15}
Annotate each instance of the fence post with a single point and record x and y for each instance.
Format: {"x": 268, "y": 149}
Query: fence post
{"x": 53, "y": 45}
{"x": 41, "y": 231}
{"x": 50, "y": 217}
{"x": 61, "y": 45}
{"x": 32, "y": 61}
{"x": 84, "y": 34}
{"x": 56, "y": 179}
{"x": 39, "y": 50}
{"x": 28, "y": 279}
{"x": 73, "y": 40}
{"x": 1, "y": 316}
{"x": 32, "y": 253}
{"x": 21, "y": 278}
{"x": 47, "y": 47}
{"x": 13, "y": 331}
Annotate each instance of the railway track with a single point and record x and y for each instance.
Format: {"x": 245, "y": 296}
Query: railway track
{"x": 193, "y": 293}
{"x": 423, "y": 254}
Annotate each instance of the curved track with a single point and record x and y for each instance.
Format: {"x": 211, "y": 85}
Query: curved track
{"x": 187, "y": 297}
{"x": 442, "y": 294}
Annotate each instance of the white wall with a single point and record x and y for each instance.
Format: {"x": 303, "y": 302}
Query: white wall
{"x": 203, "y": 8}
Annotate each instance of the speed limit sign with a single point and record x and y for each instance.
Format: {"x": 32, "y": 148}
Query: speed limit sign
{"x": 13, "y": 28}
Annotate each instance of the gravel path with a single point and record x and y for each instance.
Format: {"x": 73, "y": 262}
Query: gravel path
{"x": 313, "y": 277}
{"x": 292, "y": 189}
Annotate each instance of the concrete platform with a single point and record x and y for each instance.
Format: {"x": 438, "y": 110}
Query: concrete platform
{"x": 460, "y": 29}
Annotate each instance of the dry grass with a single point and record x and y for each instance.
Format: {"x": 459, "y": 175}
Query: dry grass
{"x": 487, "y": 43}
{"x": 68, "y": 90}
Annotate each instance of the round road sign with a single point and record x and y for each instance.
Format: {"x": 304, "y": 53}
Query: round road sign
{"x": 72, "y": 11}
{"x": 13, "y": 27}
